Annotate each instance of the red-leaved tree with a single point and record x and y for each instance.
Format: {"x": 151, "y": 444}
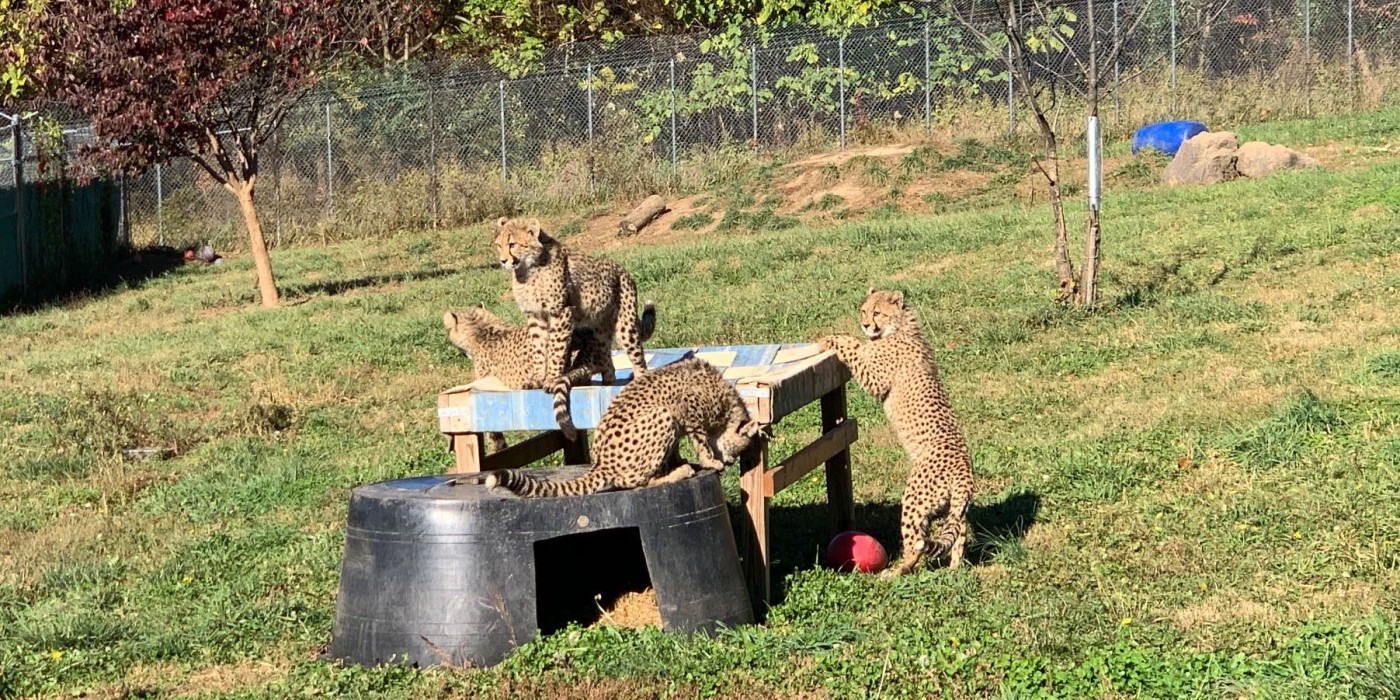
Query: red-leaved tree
{"x": 208, "y": 80}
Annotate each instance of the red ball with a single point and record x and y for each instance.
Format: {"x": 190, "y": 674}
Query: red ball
{"x": 856, "y": 550}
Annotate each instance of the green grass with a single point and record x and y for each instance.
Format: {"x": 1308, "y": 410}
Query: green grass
{"x": 1190, "y": 492}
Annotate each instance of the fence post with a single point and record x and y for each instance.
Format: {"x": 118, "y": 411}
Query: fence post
{"x": 1172, "y": 66}
{"x": 753, "y": 73}
{"x": 330, "y": 165}
{"x": 1351, "y": 54}
{"x": 501, "y": 101}
{"x": 590, "y": 128}
{"x": 1010, "y": 94}
{"x": 674, "y": 171}
{"x": 17, "y": 136}
{"x": 928, "y": 80}
{"x": 1117, "y": 69}
{"x": 841, "y": 81}
{"x": 432, "y": 154}
{"x": 160, "y": 208}
{"x": 277, "y": 185}
{"x": 1307, "y": 58}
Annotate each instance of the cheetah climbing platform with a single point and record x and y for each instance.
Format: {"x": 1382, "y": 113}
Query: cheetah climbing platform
{"x": 438, "y": 572}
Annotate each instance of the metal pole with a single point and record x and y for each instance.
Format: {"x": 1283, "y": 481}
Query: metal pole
{"x": 432, "y": 155}
{"x": 277, "y": 186}
{"x": 841, "y": 78}
{"x": 17, "y": 136}
{"x": 160, "y": 208}
{"x": 753, "y": 72}
{"x": 330, "y": 164}
{"x": 501, "y": 98}
{"x": 928, "y": 80}
{"x": 1095, "y": 165}
{"x": 673, "y": 117}
{"x": 1307, "y": 57}
{"x": 1351, "y": 53}
{"x": 590, "y": 127}
{"x": 1010, "y": 95}
{"x": 1172, "y": 68}
{"x": 1117, "y": 68}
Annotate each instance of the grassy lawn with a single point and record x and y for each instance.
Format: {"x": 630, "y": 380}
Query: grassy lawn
{"x": 1192, "y": 492}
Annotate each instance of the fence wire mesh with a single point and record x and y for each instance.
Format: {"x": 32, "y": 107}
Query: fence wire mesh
{"x": 449, "y": 144}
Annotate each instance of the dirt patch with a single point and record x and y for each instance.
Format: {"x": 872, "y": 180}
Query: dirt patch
{"x": 839, "y": 157}
{"x": 228, "y": 678}
{"x": 1224, "y": 608}
{"x": 633, "y": 611}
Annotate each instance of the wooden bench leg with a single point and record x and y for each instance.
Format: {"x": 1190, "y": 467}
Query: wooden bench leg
{"x": 467, "y": 449}
{"x": 753, "y": 465}
{"x": 576, "y": 452}
{"x": 840, "y": 498}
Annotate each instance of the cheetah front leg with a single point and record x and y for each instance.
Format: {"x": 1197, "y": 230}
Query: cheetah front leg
{"x": 857, "y": 358}
{"x": 914, "y": 518}
{"x": 556, "y": 360}
{"x": 626, "y": 324}
{"x": 706, "y": 457}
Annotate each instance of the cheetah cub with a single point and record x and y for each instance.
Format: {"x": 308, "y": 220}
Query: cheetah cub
{"x": 501, "y": 350}
{"x": 563, "y": 291}
{"x": 897, "y": 367}
{"x": 638, "y": 433}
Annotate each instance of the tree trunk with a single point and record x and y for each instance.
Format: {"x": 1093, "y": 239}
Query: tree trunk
{"x": 649, "y": 209}
{"x": 1064, "y": 268}
{"x": 262, "y": 263}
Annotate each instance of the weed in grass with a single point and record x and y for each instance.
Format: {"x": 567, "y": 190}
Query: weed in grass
{"x": 1142, "y": 170}
{"x": 1298, "y": 429}
{"x": 692, "y": 222}
{"x": 1386, "y": 366}
{"x": 830, "y": 174}
{"x": 887, "y": 210}
{"x": 978, "y": 155}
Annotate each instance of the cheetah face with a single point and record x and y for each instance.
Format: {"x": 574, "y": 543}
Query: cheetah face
{"x": 464, "y": 327}
{"x": 732, "y": 443}
{"x": 882, "y": 313}
{"x": 518, "y": 242}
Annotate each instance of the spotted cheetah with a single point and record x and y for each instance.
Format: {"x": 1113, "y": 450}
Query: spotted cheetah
{"x": 637, "y": 435}
{"x": 897, "y": 367}
{"x": 562, "y": 291}
{"x": 501, "y": 350}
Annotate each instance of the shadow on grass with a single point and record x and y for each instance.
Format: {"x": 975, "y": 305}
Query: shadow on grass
{"x": 122, "y": 272}
{"x": 798, "y": 535}
{"x": 335, "y": 287}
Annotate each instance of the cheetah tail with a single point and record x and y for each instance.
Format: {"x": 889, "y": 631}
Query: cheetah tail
{"x": 526, "y": 486}
{"x": 562, "y": 414}
{"x": 646, "y": 325}
{"x": 627, "y": 330}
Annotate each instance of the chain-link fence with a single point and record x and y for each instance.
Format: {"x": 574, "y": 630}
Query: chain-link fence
{"x": 449, "y": 144}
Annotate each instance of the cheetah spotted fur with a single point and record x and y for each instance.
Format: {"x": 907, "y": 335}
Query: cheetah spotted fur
{"x": 897, "y": 367}
{"x": 501, "y": 350}
{"x": 563, "y": 291}
{"x": 637, "y": 435}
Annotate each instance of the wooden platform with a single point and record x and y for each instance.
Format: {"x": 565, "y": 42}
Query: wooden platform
{"x": 773, "y": 380}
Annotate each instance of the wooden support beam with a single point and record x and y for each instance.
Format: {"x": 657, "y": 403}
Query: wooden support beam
{"x": 753, "y": 528}
{"x": 831, "y": 444}
{"x": 468, "y": 449}
{"x": 840, "y": 496}
{"x": 525, "y": 452}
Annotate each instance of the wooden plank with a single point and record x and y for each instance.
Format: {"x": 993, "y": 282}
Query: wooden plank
{"x": 467, "y": 452}
{"x": 840, "y": 497}
{"x": 831, "y": 444}
{"x": 526, "y": 452}
{"x": 803, "y": 385}
{"x": 753, "y": 526}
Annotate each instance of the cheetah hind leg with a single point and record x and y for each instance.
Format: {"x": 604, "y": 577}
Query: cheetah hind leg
{"x": 684, "y": 471}
{"x": 914, "y": 521}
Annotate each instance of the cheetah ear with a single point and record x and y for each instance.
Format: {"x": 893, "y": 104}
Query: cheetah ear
{"x": 449, "y": 320}
{"x": 535, "y": 228}
{"x": 870, "y": 291}
{"x": 501, "y": 222}
{"x": 481, "y": 305}
{"x": 898, "y": 298}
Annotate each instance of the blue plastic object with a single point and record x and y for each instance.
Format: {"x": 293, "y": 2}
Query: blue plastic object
{"x": 1166, "y": 137}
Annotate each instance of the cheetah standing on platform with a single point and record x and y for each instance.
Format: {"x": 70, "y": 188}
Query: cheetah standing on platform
{"x": 563, "y": 292}
{"x": 636, "y": 436}
{"x": 501, "y": 350}
{"x": 897, "y": 367}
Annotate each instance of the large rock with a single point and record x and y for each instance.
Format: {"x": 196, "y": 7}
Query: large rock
{"x": 1258, "y": 159}
{"x": 1204, "y": 158}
